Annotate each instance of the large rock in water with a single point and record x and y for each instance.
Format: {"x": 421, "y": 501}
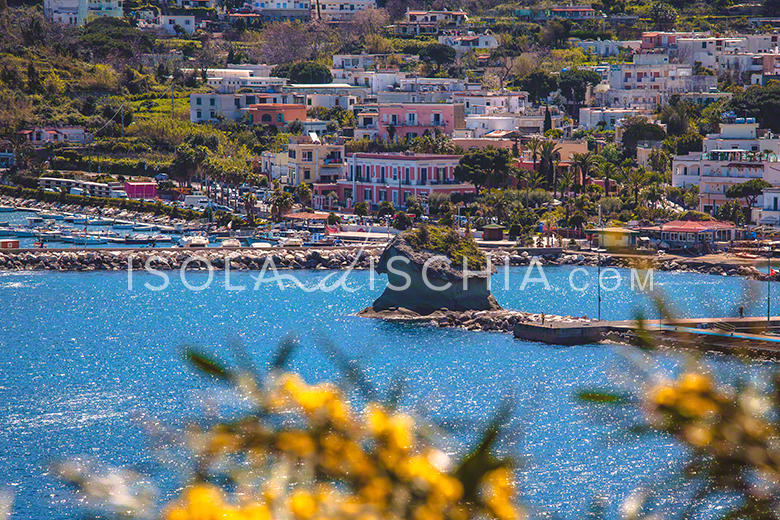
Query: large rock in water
{"x": 444, "y": 289}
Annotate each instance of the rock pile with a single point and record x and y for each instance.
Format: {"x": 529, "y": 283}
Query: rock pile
{"x": 169, "y": 259}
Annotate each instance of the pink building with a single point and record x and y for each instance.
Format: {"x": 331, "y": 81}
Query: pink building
{"x": 413, "y": 119}
{"x": 377, "y": 177}
{"x": 141, "y": 190}
{"x": 661, "y": 40}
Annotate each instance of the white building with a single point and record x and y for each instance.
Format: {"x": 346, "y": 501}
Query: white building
{"x": 66, "y": 134}
{"x": 79, "y": 12}
{"x": 735, "y": 155}
{"x": 281, "y": 10}
{"x": 168, "y": 23}
{"x": 469, "y": 42}
{"x": 592, "y": 117}
{"x": 490, "y": 102}
{"x": 233, "y": 106}
{"x": 275, "y": 165}
{"x": 479, "y": 125}
{"x": 607, "y": 47}
{"x": 341, "y": 10}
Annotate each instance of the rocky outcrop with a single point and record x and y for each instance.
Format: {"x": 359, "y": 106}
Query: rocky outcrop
{"x": 424, "y": 281}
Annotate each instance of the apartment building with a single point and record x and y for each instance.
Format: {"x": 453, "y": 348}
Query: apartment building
{"x": 482, "y": 102}
{"x": 276, "y": 114}
{"x": 313, "y": 161}
{"x": 413, "y": 119}
{"x": 79, "y": 12}
{"x": 428, "y": 22}
{"x": 233, "y": 106}
{"x": 341, "y": 10}
{"x": 271, "y": 10}
{"x": 735, "y": 155}
{"x": 394, "y": 177}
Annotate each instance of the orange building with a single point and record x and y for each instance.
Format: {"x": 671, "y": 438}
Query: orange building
{"x": 277, "y": 114}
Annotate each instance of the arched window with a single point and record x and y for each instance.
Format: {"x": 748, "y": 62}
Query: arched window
{"x": 266, "y": 118}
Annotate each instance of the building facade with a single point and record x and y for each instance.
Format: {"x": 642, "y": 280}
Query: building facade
{"x": 79, "y": 12}
{"x": 413, "y": 119}
{"x": 312, "y": 161}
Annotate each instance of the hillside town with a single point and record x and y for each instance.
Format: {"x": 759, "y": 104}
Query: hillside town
{"x": 579, "y": 124}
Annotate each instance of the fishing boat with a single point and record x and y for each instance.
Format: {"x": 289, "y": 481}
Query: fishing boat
{"x": 136, "y": 239}
{"x": 160, "y": 238}
{"x": 7, "y": 209}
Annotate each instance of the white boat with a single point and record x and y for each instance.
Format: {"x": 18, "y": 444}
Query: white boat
{"x": 97, "y": 222}
{"x": 35, "y": 222}
{"x": 6, "y": 231}
{"x": 51, "y": 216}
{"x": 24, "y": 232}
{"x": 145, "y": 228}
{"x": 119, "y": 225}
{"x": 291, "y": 242}
{"x": 230, "y": 242}
{"x": 194, "y": 241}
{"x": 261, "y": 245}
{"x": 88, "y": 240}
{"x": 7, "y": 209}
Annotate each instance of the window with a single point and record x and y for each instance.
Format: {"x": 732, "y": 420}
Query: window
{"x": 306, "y": 174}
{"x": 198, "y": 115}
{"x": 307, "y": 156}
{"x": 407, "y": 175}
{"x": 213, "y": 102}
{"x": 280, "y": 118}
{"x": 266, "y": 118}
{"x": 367, "y": 194}
{"x": 197, "y": 101}
{"x": 395, "y": 173}
{"x": 382, "y": 174}
{"x": 212, "y": 114}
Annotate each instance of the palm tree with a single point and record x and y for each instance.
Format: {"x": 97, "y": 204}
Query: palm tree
{"x": 303, "y": 191}
{"x": 654, "y": 194}
{"x": 556, "y": 165}
{"x": 636, "y": 180}
{"x": 549, "y": 152}
{"x": 583, "y": 163}
{"x": 608, "y": 171}
{"x": 534, "y": 147}
{"x": 565, "y": 182}
{"x": 532, "y": 180}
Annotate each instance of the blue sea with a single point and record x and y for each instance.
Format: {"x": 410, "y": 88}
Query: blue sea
{"x": 83, "y": 355}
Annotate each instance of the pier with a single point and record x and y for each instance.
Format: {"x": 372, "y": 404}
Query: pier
{"x": 749, "y": 335}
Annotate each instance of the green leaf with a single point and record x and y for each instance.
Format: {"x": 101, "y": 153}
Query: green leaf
{"x": 592, "y": 396}
{"x": 208, "y": 365}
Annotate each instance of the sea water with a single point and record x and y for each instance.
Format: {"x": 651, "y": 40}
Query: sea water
{"x": 83, "y": 355}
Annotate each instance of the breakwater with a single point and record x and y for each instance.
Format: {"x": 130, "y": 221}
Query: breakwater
{"x": 322, "y": 258}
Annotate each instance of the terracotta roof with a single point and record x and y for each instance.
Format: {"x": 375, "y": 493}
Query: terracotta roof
{"x": 307, "y": 216}
{"x": 690, "y": 226}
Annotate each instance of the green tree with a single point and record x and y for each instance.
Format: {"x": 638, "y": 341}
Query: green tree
{"x": 549, "y": 152}
{"x": 750, "y": 191}
{"x": 333, "y": 219}
{"x": 385, "y": 209}
{"x": 538, "y": 84}
{"x": 437, "y": 53}
{"x": 663, "y": 15}
{"x": 637, "y": 179}
{"x": 639, "y": 128}
{"x": 309, "y": 72}
{"x": 763, "y": 103}
{"x": 304, "y": 194}
{"x": 33, "y": 79}
{"x": 731, "y": 211}
{"x": 361, "y": 209}
{"x": 547, "y": 120}
{"x": 485, "y": 167}
{"x": 574, "y": 82}
{"x": 402, "y": 221}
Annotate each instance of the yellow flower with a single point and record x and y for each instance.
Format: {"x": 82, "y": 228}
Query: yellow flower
{"x": 400, "y": 435}
{"x": 695, "y": 406}
{"x": 221, "y": 442}
{"x": 296, "y": 442}
{"x": 376, "y": 491}
{"x": 698, "y": 435}
{"x": 256, "y": 512}
{"x": 176, "y": 513}
{"x": 665, "y": 396}
{"x": 376, "y": 418}
{"x": 693, "y": 382}
{"x": 302, "y": 505}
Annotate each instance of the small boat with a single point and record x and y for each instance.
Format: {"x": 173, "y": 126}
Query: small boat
{"x": 291, "y": 242}
{"x": 261, "y": 245}
{"x": 24, "y": 232}
{"x": 88, "y": 240}
{"x": 35, "y": 221}
{"x": 136, "y": 239}
{"x": 194, "y": 241}
{"x": 78, "y": 220}
{"x": 51, "y": 216}
{"x": 160, "y": 238}
{"x": 7, "y": 209}
{"x": 145, "y": 228}
{"x": 230, "y": 242}
{"x": 118, "y": 225}
{"x": 97, "y": 222}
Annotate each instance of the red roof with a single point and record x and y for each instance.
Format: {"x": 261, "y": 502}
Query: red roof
{"x": 690, "y": 226}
